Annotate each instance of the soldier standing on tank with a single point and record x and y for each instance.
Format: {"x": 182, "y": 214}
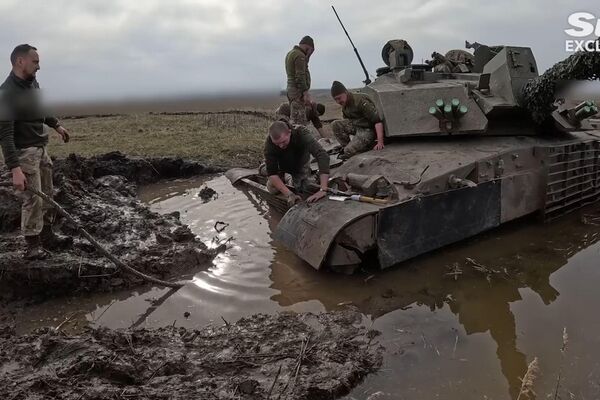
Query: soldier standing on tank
{"x": 24, "y": 145}
{"x": 298, "y": 79}
{"x": 361, "y": 120}
{"x": 313, "y": 112}
{"x": 287, "y": 151}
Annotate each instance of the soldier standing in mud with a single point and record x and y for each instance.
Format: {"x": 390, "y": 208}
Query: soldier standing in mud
{"x": 287, "y": 151}
{"x": 24, "y": 145}
{"x": 361, "y": 120}
{"x": 313, "y": 112}
{"x": 298, "y": 79}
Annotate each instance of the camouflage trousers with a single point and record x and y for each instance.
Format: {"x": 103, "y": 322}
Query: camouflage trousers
{"x": 364, "y": 138}
{"x": 299, "y": 181}
{"x": 37, "y": 167}
{"x": 298, "y": 111}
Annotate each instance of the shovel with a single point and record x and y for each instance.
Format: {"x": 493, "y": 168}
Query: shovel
{"x": 362, "y": 199}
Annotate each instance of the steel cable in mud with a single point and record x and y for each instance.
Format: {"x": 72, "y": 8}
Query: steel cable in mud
{"x": 120, "y": 264}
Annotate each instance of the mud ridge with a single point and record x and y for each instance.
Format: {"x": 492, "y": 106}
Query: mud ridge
{"x": 294, "y": 356}
{"x": 261, "y": 114}
{"x": 100, "y": 192}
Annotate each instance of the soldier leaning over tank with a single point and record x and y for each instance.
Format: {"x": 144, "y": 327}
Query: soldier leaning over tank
{"x": 361, "y": 120}
{"x": 287, "y": 151}
{"x": 313, "y": 112}
{"x": 23, "y": 141}
{"x": 298, "y": 79}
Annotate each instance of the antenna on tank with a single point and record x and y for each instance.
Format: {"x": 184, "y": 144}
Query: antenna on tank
{"x": 367, "y": 80}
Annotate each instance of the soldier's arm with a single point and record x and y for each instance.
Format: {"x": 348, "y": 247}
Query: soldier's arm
{"x": 7, "y": 131}
{"x": 279, "y": 185}
{"x": 379, "y": 132}
{"x": 317, "y": 151}
{"x": 313, "y": 116}
{"x": 270, "y": 160}
{"x": 7, "y": 141}
{"x": 273, "y": 170}
{"x": 11, "y": 154}
{"x": 52, "y": 122}
{"x": 300, "y": 73}
{"x": 369, "y": 111}
{"x": 323, "y": 160}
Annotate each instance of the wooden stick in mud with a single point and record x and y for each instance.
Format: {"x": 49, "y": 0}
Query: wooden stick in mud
{"x": 120, "y": 264}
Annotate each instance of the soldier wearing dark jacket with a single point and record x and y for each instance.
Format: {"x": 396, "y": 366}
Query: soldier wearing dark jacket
{"x": 361, "y": 120}
{"x": 298, "y": 79}
{"x": 288, "y": 150}
{"x": 23, "y": 141}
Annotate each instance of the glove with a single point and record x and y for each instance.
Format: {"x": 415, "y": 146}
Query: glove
{"x": 292, "y": 199}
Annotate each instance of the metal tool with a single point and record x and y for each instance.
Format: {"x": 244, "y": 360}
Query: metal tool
{"x": 362, "y": 199}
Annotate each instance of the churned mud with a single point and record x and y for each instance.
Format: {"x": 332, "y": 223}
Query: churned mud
{"x": 291, "y": 356}
{"x": 100, "y": 192}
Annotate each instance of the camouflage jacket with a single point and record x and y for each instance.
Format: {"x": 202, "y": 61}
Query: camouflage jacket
{"x": 298, "y": 76}
{"x": 311, "y": 113}
{"x": 22, "y": 118}
{"x": 361, "y": 111}
{"x": 296, "y": 155}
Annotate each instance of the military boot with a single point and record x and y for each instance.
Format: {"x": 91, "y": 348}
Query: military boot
{"x": 52, "y": 241}
{"x": 34, "y": 249}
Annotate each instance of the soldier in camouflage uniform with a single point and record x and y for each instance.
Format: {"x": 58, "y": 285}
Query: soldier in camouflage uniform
{"x": 313, "y": 112}
{"x": 298, "y": 79}
{"x": 287, "y": 152}
{"x": 361, "y": 120}
{"x": 23, "y": 141}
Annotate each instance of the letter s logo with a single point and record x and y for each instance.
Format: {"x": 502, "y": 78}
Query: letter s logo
{"x": 578, "y": 20}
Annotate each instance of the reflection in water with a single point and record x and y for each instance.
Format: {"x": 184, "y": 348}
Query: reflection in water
{"x": 454, "y": 329}
{"x": 523, "y": 255}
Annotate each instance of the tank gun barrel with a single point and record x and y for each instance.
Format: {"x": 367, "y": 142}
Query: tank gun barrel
{"x": 538, "y": 95}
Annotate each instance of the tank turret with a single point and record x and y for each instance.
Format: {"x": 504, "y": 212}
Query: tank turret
{"x": 469, "y": 147}
{"x": 460, "y": 93}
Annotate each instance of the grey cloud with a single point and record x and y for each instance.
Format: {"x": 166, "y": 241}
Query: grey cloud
{"x": 115, "y": 48}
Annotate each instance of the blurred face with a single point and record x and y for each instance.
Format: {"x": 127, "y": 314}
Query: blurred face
{"x": 283, "y": 141}
{"x": 341, "y": 99}
{"x": 29, "y": 64}
{"x": 309, "y": 51}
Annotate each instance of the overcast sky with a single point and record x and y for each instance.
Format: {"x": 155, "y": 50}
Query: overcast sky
{"x": 103, "y": 49}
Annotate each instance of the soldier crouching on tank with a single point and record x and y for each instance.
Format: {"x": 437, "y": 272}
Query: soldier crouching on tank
{"x": 313, "y": 112}
{"x": 23, "y": 141}
{"x": 287, "y": 151}
{"x": 360, "y": 120}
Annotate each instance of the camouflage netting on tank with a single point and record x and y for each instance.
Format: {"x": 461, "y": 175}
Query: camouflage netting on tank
{"x": 539, "y": 93}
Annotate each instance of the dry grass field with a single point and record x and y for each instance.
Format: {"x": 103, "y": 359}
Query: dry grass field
{"x": 215, "y": 139}
{"x": 218, "y": 132}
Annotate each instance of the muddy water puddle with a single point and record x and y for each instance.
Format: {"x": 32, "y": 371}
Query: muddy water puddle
{"x": 461, "y": 323}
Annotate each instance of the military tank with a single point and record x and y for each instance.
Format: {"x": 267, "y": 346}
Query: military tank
{"x": 472, "y": 141}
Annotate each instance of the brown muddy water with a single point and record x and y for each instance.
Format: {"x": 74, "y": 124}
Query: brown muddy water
{"x": 461, "y": 323}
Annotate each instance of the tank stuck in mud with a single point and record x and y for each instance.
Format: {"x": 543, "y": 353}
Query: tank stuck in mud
{"x": 472, "y": 141}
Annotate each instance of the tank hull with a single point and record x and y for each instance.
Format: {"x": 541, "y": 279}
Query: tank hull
{"x": 466, "y": 187}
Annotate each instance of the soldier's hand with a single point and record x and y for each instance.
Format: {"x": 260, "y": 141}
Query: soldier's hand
{"x": 378, "y": 146}
{"x": 292, "y": 199}
{"x": 64, "y": 134}
{"x": 317, "y": 196}
{"x": 19, "y": 179}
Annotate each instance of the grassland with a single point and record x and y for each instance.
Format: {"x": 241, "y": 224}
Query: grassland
{"x": 216, "y": 139}
{"x": 207, "y": 131}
